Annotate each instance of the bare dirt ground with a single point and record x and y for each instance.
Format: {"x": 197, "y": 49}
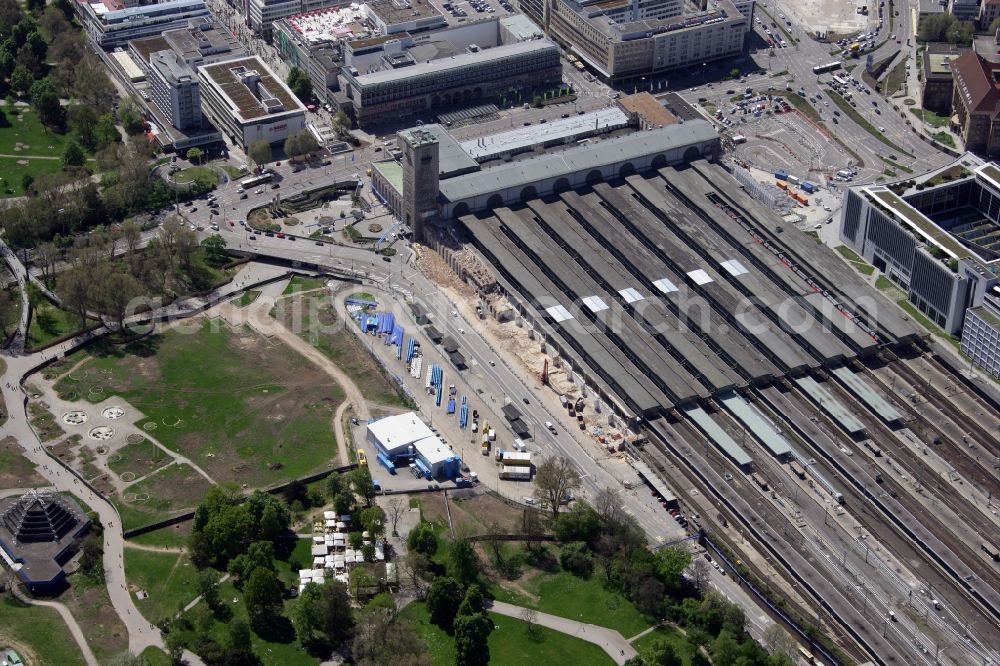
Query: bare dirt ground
{"x": 821, "y": 16}
{"x": 106, "y": 633}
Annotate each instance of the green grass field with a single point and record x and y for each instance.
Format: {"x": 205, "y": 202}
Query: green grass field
{"x": 49, "y": 322}
{"x": 140, "y": 459}
{"x": 896, "y": 77}
{"x": 170, "y": 580}
{"x": 13, "y": 172}
{"x": 298, "y": 283}
{"x": 243, "y": 408}
{"x": 931, "y": 118}
{"x": 246, "y": 298}
{"x": 196, "y": 173}
{"x": 154, "y": 656}
{"x": 672, "y": 636}
{"x": 23, "y": 133}
{"x": 160, "y": 495}
{"x": 312, "y": 316}
{"x": 38, "y": 633}
{"x": 585, "y": 600}
{"x": 510, "y": 642}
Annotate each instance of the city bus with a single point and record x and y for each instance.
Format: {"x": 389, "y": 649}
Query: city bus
{"x": 264, "y": 177}
{"x": 829, "y": 67}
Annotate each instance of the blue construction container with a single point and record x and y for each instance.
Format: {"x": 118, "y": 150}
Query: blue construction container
{"x": 781, "y": 175}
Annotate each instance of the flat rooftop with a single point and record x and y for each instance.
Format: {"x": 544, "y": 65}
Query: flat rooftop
{"x": 204, "y": 40}
{"x": 246, "y": 103}
{"x": 392, "y": 171}
{"x": 522, "y": 138}
{"x": 452, "y": 159}
{"x": 928, "y": 230}
{"x": 456, "y": 62}
{"x": 649, "y": 108}
{"x": 329, "y": 25}
{"x": 401, "y": 11}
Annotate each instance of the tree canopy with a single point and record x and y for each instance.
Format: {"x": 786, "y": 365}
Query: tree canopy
{"x": 299, "y": 83}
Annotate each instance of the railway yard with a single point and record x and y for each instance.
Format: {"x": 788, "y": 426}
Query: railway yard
{"x": 800, "y": 417}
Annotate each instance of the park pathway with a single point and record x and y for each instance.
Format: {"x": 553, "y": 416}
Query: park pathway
{"x": 74, "y": 627}
{"x": 609, "y": 640}
{"x": 257, "y": 317}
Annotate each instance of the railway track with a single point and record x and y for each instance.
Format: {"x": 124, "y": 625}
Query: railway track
{"x": 875, "y": 508}
{"x": 768, "y": 527}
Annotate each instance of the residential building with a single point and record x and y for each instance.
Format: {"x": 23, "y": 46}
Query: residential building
{"x": 937, "y": 80}
{"x": 475, "y": 76}
{"x": 989, "y": 11}
{"x": 173, "y": 87}
{"x": 248, "y": 102}
{"x": 926, "y": 8}
{"x": 111, "y": 28}
{"x": 623, "y": 39}
{"x": 935, "y": 243}
{"x": 976, "y": 103}
{"x": 964, "y": 10}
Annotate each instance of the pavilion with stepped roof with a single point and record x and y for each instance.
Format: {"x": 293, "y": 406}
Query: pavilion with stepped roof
{"x": 38, "y": 531}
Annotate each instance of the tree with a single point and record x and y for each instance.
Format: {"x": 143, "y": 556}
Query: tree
{"x": 373, "y": 520}
{"x": 260, "y": 554}
{"x": 416, "y": 568}
{"x": 472, "y": 633}
{"x": 368, "y": 552}
{"x": 699, "y": 573}
{"x": 463, "y": 563}
{"x": 361, "y": 478}
{"x": 473, "y": 602}
{"x": 670, "y": 563}
{"x": 262, "y": 595}
{"x": 422, "y": 539}
{"x": 195, "y": 154}
{"x": 443, "y": 599}
{"x": 778, "y": 641}
{"x": 725, "y": 649}
{"x": 300, "y": 143}
{"x": 208, "y": 587}
{"x": 45, "y": 102}
{"x": 130, "y": 116}
{"x": 259, "y": 152}
{"x": 117, "y": 296}
{"x": 299, "y": 82}
{"x": 105, "y": 132}
{"x": 396, "y": 508}
{"x": 555, "y": 478}
{"x": 73, "y": 155}
{"x": 994, "y": 26}
{"x": 580, "y": 523}
{"x": 575, "y": 558}
{"x": 323, "y": 617}
{"x": 92, "y": 556}
{"x": 45, "y": 257}
{"x": 215, "y": 250}
{"x": 661, "y": 653}
{"x": 21, "y": 80}
{"x": 91, "y": 84}
{"x": 342, "y": 121}
{"x": 83, "y": 122}
{"x": 529, "y": 616}
{"x": 381, "y": 640}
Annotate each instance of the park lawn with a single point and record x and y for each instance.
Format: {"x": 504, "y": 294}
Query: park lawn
{"x": 12, "y": 314}
{"x": 672, "y": 636}
{"x": 510, "y": 642}
{"x": 313, "y": 317}
{"x": 849, "y": 254}
{"x": 945, "y": 138}
{"x": 88, "y": 601}
{"x": 271, "y": 653}
{"x": 197, "y": 173}
{"x": 244, "y": 408}
{"x": 49, "y": 322}
{"x": 38, "y": 633}
{"x": 169, "y": 578}
{"x": 16, "y": 471}
{"x": 299, "y": 283}
{"x": 585, "y": 600}
{"x": 26, "y": 129}
{"x": 174, "y": 536}
{"x": 140, "y": 459}
{"x": 246, "y": 298}
{"x": 168, "y": 492}
{"x": 931, "y": 118}
{"x": 896, "y": 77}
{"x": 154, "y": 656}
{"x": 13, "y": 172}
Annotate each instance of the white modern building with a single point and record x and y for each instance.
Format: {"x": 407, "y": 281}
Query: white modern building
{"x": 405, "y": 439}
{"x": 248, "y": 102}
{"x": 109, "y": 25}
{"x": 173, "y": 87}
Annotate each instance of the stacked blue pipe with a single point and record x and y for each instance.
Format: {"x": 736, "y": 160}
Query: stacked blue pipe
{"x": 410, "y": 348}
{"x": 437, "y": 396}
{"x": 463, "y": 413}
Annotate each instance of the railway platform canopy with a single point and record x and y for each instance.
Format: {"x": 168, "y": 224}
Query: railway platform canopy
{"x": 763, "y": 430}
{"x": 720, "y": 438}
{"x": 879, "y": 405}
{"x": 655, "y": 482}
{"x": 833, "y": 407}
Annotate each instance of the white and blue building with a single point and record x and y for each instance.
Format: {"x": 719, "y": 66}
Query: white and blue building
{"x": 404, "y": 440}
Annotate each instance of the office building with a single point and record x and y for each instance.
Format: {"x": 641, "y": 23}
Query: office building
{"x": 989, "y": 11}
{"x": 619, "y": 39}
{"x": 248, "y": 102}
{"x": 976, "y": 101}
{"x": 474, "y": 77}
{"x": 112, "y": 27}
{"x": 173, "y": 87}
{"x": 938, "y": 243}
{"x": 981, "y": 335}
{"x": 938, "y": 81}
{"x": 927, "y": 8}
{"x": 964, "y": 10}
